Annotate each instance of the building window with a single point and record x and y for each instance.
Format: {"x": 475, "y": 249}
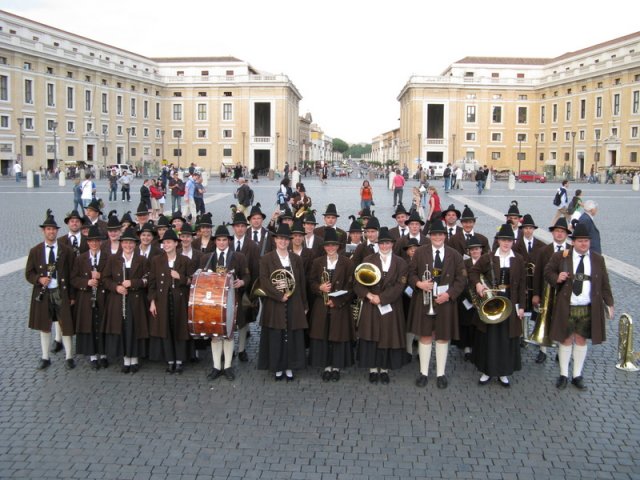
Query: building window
{"x": 134, "y": 151}
{"x": 87, "y": 100}
{"x": 157, "y": 111}
{"x": 145, "y": 132}
{"x": 634, "y": 132}
{"x": 202, "y": 133}
{"x": 4, "y": 87}
{"x": 521, "y": 137}
{"x": 228, "y": 94}
{"x": 28, "y": 123}
{"x": 177, "y": 133}
{"x": 157, "y": 152}
{"x": 26, "y": 66}
{"x": 105, "y": 103}
{"x": 581, "y": 135}
{"x": 133, "y": 107}
{"x": 51, "y": 95}
{"x": 567, "y": 136}
{"x": 202, "y": 111}
{"x": 554, "y": 113}
{"x": 496, "y": 115}
{"x": 71, "y": 101}
{"x": 28, "y": 91}
{"x": 202, "y": 94}
{"x": 227, "y": 133}
{"x": 614, "y": 132}
{"x": 29, "y": 151}
{"x": 227, "y": 111}
{"x": 567, "y": 156}
{"x": 105, "y": 129}
{"x": 583, "y": 109}
{"x": 553, "y": 155}
{"x": 177, "y": 94}
{"x": 598, "y": 107}
{"x": 635, "y": 103}
{"x": 71, "y": 127}
{"x": 70, "y": 151}
{"x": 522, "y": 97}
{"x": 554, "y": 136}
{"x": 229, "y": 73}
{"x": 88, "y": 127}
{"x": 226, "y": 152}
{"x": 568, "y": 112}
{"x": 616, "y": 104}
{"x": 50, "y": 123}
{"x": 177, "y": 111}
{"x": 522, "y": 115}
{"x": 145, "y": 109}
{"x": 4, "y": 121}
{"x": 496, "y": 137}
{"x": 543, "y": 111}
{"x": 633, "y": 157}
{"x": 596, "y": 133}
{"x": 119, "y": 105}
{"x": 495, "y": 155}
{"x": 471, "y": 136}
{"x": 202, "y": 152}
{"x": 134, "y": 132}
{"x": 471, "y": 114}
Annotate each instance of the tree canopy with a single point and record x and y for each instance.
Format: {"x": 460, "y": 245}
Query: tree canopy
{"x": 340, "y": 145}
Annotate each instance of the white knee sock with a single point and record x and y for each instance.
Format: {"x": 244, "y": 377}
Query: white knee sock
{"x": 58, "y": 331}
{"x": 242, "y": 338}
{"x": 564, "y": 356}
{"x": 543, "y": 349}
{"x": 216, "y": 353}
{"x": 424, "y": 352}
{"x": 68, "y": 346}
{"x": 442, "y": 349}
{"x": 409, "y": 339}
{"x": 127, "y": 361}
{"x": 227, "y": 345}
{"x": 45, "y": 340}
{"x": 579, "y": 355}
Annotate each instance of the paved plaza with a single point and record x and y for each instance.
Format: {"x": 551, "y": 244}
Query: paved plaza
{"x": 105, "y": 425}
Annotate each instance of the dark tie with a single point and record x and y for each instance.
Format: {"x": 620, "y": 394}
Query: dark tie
{"x": 52, "y": 259}
{"x": 559, "y": 248}
{"x": 255, "y": 236}
{"x": 221, "y": 259}
{"x": 468, "y": 236}
{"x": 402, "y": 232}
{"x": 577, "y": 284}
{"x": 529, "y": 250}
{"x": 238, "y": 246}
{"x": 74, "y": 242}
{"x": 450, "y": 233}
{"x": 438, "y": 261}
{"x": 95, "y": 263}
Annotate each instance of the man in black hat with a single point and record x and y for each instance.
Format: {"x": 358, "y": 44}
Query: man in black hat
{"x": 414, "y": 231}
{"x": 142, "y": 216}
{"x": 400, "y": 216}
{"x": 93, "y": 212}
{"x": 527, "y": 244}
{"x": 330, "y": 220}
{"x": 438, "y": 277}
{"x": 48, "y": 269}
{"x": 462, "y": 235}
{"x": 312, "y": 241}
{"x": 74, "y": 239}
{"x": 257, "y": 233}
{"x": 541, "y": 288}
{"x": 512, "y": 219}
{"x": 450, "y": 218}
{"x": 583, "y": 296}
{"x": 225, "y": 260}
{"x": 355, "y": 236}
{"x": 370, "y": 245}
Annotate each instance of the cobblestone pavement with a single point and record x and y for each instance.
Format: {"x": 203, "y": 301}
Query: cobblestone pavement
{"x": 85, "y": 424}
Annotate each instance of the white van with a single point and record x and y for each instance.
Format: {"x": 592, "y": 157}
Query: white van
{"x": 438, "y": 167}
{"x": 120, "y": 168}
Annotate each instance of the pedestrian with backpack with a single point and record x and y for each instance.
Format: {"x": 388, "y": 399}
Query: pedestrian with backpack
{"x": 561, "y": 201}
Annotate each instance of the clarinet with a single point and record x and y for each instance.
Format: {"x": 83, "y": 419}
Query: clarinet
{"x": 94, "y": 290}
{"x": 124, "y": 296}
{"x": 50, "y": 269}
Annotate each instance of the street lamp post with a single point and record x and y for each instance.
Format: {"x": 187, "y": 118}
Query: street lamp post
{"x": 453, "y": 160}
{"x": 573, "y": 146}
{"x": 597, "y": 156}
{"x": 535, "y": 159}
{"x": 128, "y": 144}
{"x": 20, "y": 124}
{"x": 104, "y": 150}
{"x": 162, "y": 146}
{"x": 244, "y": 134}
{"x": 179, "y": 135}
{"x": 54, "y": 125}
{"x": 419, "y": 147}
{"x": 519, "y": 156}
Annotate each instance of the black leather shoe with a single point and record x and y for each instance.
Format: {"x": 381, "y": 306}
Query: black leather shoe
{"x": 561, "y": 383}
{"x": 278, "y": 378}
{"x": 578, "y": 382}
{"x": 335, "y": 375}
{"x": 326, "y": 376}
{"x": 422, "y": 381}
{"x": 179, "y": 368}
{"x": 243, "y": 357}
{"x": 504, "y": 384}
{"x": 215, "y": 373}
{"x": 228, "y": 374}
{"x": 104, "y": 363}
{"x": 125, "y": 369}
{"x": 442, "y": 381}
{"x": 194, "y": 359}
{"x": 135, "y": 368}
{"x": 70, "y": 364}
{"x": 57, "y": 347}
{"x": 467, "y": 357}
{"x": 541, "y": 357}
{"x": 44, "y": 363}
{"x": 170, "y": 368}
{"x": 384, "y": 378}
{"x": 484, "y": 382}
{"x": 374, "y": 377}
{"x": 290, "y": 378}
{"x": 95, "y": 365}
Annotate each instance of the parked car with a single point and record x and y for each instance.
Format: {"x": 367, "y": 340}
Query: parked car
{"x": 530, "y": 176}
{"x": 121, "y": 167}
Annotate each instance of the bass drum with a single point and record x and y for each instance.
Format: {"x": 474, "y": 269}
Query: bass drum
{"x": 212, "y": 306}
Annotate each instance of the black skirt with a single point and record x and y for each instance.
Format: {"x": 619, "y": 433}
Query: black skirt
{"x": 126, "y": 344}
{"x": 91, "y": 343}
{"x": 281, "y": 350}
{"x": 495, "y": 353}
{"x": 168, "y": 349}
{"x": 330, "y": 354}
{"x": 370, "y": 356}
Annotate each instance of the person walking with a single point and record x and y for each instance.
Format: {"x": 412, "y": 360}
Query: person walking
{"x": 398, "y": 188}
{"x": 113, "y": 185}
{"x": 17, "y": 171}
{"x": 480, "y": 180}
{"x": 77, "y": 197}
{"x": 586, "y": 219}
{"x": 125, "y": 186}
{"x": 563, "y": 197}
{"x": 447, "y": 178}
{"x": 176, "y": 186}
{"x": 366, "y": 195}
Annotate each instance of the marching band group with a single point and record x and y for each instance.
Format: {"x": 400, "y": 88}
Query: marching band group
{"x": 127, "y": 289}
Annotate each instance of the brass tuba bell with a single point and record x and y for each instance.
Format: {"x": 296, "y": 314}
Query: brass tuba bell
{"x": 493, "y": 309}
{"x": 626, "y": 355}
{"x": 540, "y": 334}
{"x": 367, "y": 274}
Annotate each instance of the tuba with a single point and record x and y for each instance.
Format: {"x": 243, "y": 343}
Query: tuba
{"x": 493, "y": 309}
{"x": 540, "y": 334}
{"x": 626, "y": 355}
{"x": 366, "y": 274}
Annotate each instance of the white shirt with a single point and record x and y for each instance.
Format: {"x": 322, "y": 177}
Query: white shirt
{"x": 96, "y": 258}
{"x": 376, "y": 249}
{"x": 386, "y": 261}
{"x": 259, "y": 232}
{"x": 331, "y": 264}
{"x": 87, "y": 187}
{"x": 308, "y": 241}
{"x": 585, "y": 297}
{"x": 54, "y": 281}
{"x": 505, "y": 261}
{"x": 78, "y": 238}
{"x": 434, "y": 250}
{"x": 235, "y": 242}
{"x": 284, "y": 261}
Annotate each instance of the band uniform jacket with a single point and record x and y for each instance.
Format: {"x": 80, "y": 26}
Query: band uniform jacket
{"x": 387, "y": 330}
{"x": 266, "y": 243}
{"x": 316, "y": 249}
{"x": 363, "y": 250}
{"x": 80, "y": 277}
{"x": 459, "y": 242}
{"x": 341, "y": 234}
{"x": 394, "y": 232}
{"x": 251, "y": 252}
{"x": 153, "y": 251}
{"x": 445, "y": 323}
{"x": 517, "y": 286}
{"x": 398, "y": 247}
{"x": 36, "y": 267}
{"x": 105, "y": 249}
{"x": 197, "y": 245}
{"x": 161, "y": 284}
{"x": 521, "y": 246}
{"x": 341, "y": 323}
{"x": 306, "y": 254}
{"x": 601, "y": 295}
{"x": 273, "y": 313}
{"x": 83, "y": 246}
{"x": 102, "y": 226}
{"x": 541, "y": 259}
{"x": 136, "y": 295}
{"x": 194, "y": 261}
{"x": 449, "y": 239}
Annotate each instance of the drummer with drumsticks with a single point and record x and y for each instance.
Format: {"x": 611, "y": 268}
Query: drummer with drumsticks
{"x": 225, "y": 260}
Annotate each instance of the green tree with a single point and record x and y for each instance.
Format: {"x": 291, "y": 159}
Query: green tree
{"x": 357, "y": 150}
{"x": 340, "y": 145}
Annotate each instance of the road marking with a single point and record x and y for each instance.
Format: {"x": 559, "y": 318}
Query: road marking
{"x": 614, "y": 265}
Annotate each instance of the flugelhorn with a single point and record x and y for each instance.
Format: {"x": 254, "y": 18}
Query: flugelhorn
{"x": 427, "y": 297}
{"x": 626, "y": 356}
{"x": 325, "y": 278}
{"x": 540, "y": 334}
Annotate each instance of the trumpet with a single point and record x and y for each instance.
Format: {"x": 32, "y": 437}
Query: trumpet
{"x": 325, "y": 278}
{"x": 427, "y": 297}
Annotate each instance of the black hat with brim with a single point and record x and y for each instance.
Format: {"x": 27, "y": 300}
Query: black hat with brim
{"x": 49, "y": 221}
{"x": 414, "y": 217}
{"x": 148, "y": 227}
{"x": 170, "y": 235}
{"x": 255, "y": 210}
{"x": 513, "y": 209}
{"x": 411, "y": 243}
{"x": 527, "y": 221}
{"x": 129, "y": 234}
{"x": 437, "y": 227}
{"x": 385, "y": 236}
{"x": 451, "y": 208}
{"x": 331, "y": 210}
{"x": 505, "y": 232}
{"x": 94, "y": 233}
{"x": 400, "y": 209}
{"x": 560, "y": 223}
{"x": 239, "y": 219}
{"x": 580, "y": 231}
{"x": 186, "y": 230}
{"x": 142, "y": 209}
{"x": 467, "y": 214}
{"x": 474, "y": 242}
{"x": 72, "y": 214}
{"x": 95, "y": 206}
{"x": 283, "y": 231}
{"x": 330, "y": 237}
{"x": 222, "y": 231}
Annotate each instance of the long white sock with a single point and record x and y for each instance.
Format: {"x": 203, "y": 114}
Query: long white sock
{"x": 242, "y": 338}
{"x": 45, "y": 340}
{"x": 68, "y": 346}
{"x": 127, "y": 361}
{"x": 134, "y": 360}
{"x": 543, "y": 349}
{"x": 424, "y": 353}
{"x": 227, "y": 345}
{"x": 58, "y": 332}
{"x": 409, "y": 338}
{"x": 564, "y": 356}
{"x": 442, "y": 349}
{"x": 579, "y": 355}
{"x": 373, "y": 370}
{"x": 216, "y": 353}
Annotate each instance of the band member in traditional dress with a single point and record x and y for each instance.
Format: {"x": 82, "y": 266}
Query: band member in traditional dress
{"x": 513, "y": 220}
{"x": 409, "y": 250}
{"x": 74, "y": 238}
{"x": 298, "y": 247}
{"x": 450, "y": 218}
{"x": 205, "y": 242}
{"x": 284, "y": 311}
{"x": 142, "y": 215}
{"x": 381, "y": 331}
{"x": 48, "y": 269}
{"x": 90, "y": 301}
{"x": 331, "y": 327}
{"x": 330, "y": 220}
{"x": 162, "y": 225}
{"x": 111, "y": 246}
{"x": 370, "y": 245}
{"x": 355, "y": 237}
{"x": 414, "y": 231}
{"x": 583, "y": 296}
{"x": 126, "y": 323}
{"x": 126, "y": 221}
{"x": 496, "y": 352}
{"x": 312, "y": 241}
{"x": 225, "y": 260}
{"x": 93, "y": 212}
{"x": 147, "y": 247}
{"x": 169, "y": 275}
{"x": 438, "y": 278}
{"x": 185, "y": 234}
{"x": 462, "y": 235}
{"x": 400, "y": 216}
{"x": 259, "y": 234}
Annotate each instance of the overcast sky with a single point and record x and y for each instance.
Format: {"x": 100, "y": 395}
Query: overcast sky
{"x": 349, "y": 59}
